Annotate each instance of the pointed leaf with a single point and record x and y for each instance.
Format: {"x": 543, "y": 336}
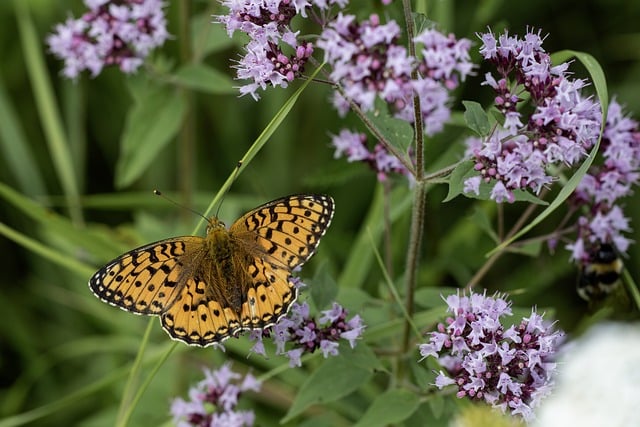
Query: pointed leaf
{"x": 465, "y": 170}
{"x": 337, "y": 377}
{"x": 476, "y": 118}
{"x": 323, "y": 287}
{"x": 205, "y": 79}
{"x": 391, "y": 407}
{"x": 398, "y": 132}
{"x": 457, "y": 178}
{"x": 151, "y": 124}
{"x": 208, "y": 36}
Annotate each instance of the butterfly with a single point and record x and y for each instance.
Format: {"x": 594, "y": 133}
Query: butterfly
{"x": 206, "y": 289}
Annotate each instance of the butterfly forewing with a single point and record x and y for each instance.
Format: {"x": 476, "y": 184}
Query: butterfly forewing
{"x": 289, "y": 229}
{"x": 205, "y": 290}
{"x": 145, "y": 280}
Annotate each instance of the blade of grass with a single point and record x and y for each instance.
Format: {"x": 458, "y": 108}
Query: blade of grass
{"x": 124, "y": 411}
{"x": 72, "y": 399}
{"x": 47, "y": 109}
{"x": 392, "y": 287}
{"x": 125, "y": 419}
{"x": 258, "y": 144}
{"x": 18, "y": 157}
{"x": 46, "y": 252}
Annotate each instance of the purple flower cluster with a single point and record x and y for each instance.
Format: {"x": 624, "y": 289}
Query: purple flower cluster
{"x": 112, "y": 32}
{"x": 510, "y": 369}
{"x": 368, "y": 62}
{"x": 213, "y": 400}
{"x": 307, "y": 334}
{"x": 354, "y": 146}
{"x": 599, "y": 191}
{"x": 267, "y": 23}
{"x": 563, "y": 123}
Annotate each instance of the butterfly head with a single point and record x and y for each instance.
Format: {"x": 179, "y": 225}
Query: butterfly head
{"x": 215, "y": 224}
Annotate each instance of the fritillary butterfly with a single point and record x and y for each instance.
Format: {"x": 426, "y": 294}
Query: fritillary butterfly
{"x": 208, "y": 289}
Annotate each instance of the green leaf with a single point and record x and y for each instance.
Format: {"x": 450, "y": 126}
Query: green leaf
{"x": 390, "y": 407}
{"x": 18, "y": 156}
{"x": 422, "y": 22}
{"x": 531, "y": 249}
{"x": 457, "y": 178}
{"x": 337, "y": 377}
{"x": 205, "y": 79}
{"x": 465, "y": 170}
{"x": 476, "y": 118}
{"x": 397, "y": 132}
{"x": 361, "y": 257}
{"x": 152, "y": 123}
{"x": 423, "y": 376}
{"x": 323, "y": 287}
{"x": 481, "y": 218}
{"x": 100, "y": 244}
{"x": 432, "y": 297}
{"x": 207, "y": 36}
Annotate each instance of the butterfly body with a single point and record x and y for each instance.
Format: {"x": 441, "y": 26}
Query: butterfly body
{"x": 207, "y": 289}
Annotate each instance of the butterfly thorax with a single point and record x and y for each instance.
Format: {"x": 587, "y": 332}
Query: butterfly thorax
{"x": 227, "y": 280}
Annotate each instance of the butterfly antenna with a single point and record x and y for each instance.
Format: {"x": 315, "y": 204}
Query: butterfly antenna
{"x": 234, "y": 175}
{"x": 170, "y": 200}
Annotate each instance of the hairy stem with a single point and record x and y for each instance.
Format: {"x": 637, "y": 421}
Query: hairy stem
{"x": 413, "y": 256}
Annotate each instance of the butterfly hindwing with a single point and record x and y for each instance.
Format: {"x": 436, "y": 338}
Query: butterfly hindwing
{"x": 197, "y": 319}
{"x": 269, "y": 296}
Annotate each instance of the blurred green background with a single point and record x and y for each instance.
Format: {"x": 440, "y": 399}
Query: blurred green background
{"x": 66, "y": 353}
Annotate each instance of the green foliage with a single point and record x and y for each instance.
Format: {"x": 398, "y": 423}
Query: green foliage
{"x": 79, "y": 161}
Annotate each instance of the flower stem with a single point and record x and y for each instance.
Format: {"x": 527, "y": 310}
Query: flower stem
{"x": 413, "y": 256}
{"x": 417, "y": 110}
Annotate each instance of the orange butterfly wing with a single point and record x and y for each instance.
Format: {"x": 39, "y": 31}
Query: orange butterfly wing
{"x": 179, "y": 279}
{"x": 146, "y": 280}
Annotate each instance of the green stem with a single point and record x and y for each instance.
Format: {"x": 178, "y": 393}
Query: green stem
{"x": 125, "y": 409}
{"x": 417, "y": 110}
{"x": 419, "y": 201}
{"x": 413, "y": 256}
{"x": 125, "y": 419}
{"x": 377, "y": 133}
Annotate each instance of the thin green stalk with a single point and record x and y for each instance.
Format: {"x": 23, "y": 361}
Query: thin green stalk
{"x": 46, "y": 252}
{"x": 48, "y": 111}
{"x": 417, "y": 110}
{"x": 69, "y": 400}
{"x": 632, "y": 288}
{"x": 386, "y": 206}
{"x": 376, "y": 132}
{"x": 125, "y": 420}
{"x": 524, "y": 218}
{"x": 259, "y": 143}
{"x": 124, "y": 411}
{"x": 413, "y": 256}
{"x": 419, "y": 201}
{"x": 392, "y": 289}
{"x": 18, "y": 155}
